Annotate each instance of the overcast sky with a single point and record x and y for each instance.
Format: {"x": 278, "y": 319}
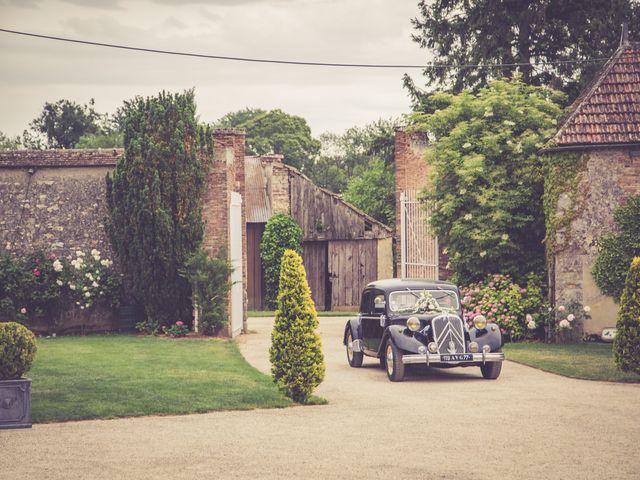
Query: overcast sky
{"x": 347, "y": 31}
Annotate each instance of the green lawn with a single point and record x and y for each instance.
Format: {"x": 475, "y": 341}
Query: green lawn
{"x": 119, "y": 376}
{"x": 271, "y": 313}
{"x": 589, "y": 361}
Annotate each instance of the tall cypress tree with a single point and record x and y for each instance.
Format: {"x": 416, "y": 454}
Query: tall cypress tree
{"x": 154, "y": 199}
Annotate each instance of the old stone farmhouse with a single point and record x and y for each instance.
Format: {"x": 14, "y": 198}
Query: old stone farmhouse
{"x": 602, "y": 132}
{"x": 55, "y": 200}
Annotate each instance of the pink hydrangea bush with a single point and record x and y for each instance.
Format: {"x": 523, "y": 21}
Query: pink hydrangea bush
{"x": 517, "y": 310}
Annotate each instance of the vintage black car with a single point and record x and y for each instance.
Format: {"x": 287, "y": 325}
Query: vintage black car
{"x": 405, "y": 322}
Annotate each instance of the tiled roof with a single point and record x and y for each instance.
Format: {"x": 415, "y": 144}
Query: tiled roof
{"x": 608, "y": 112}
{"x": 60, "y": 158}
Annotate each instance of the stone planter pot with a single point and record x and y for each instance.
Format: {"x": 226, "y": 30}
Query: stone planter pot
{"x": 15, "y": 403}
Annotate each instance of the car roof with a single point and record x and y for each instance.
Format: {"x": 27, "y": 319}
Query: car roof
{"x": 392, "y": 284}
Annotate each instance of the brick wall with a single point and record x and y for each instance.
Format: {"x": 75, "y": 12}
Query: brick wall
{"x": 610, "y": 176}
{"x": 226, "y": 176}
{"x": 278, "y": 187}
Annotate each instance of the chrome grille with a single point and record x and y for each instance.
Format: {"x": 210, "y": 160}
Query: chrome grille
{"x": 448, "y": 333}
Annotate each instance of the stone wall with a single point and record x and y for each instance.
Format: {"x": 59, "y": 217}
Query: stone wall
{"x": 54, "y": 200}
{"x": 610, "y": 175}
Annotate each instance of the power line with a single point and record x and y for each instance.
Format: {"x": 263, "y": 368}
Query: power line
{"x": 300, "y": 63}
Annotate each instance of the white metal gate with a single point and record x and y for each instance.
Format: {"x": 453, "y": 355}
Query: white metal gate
{"x": 235, "y": 241}
{"x": 419, "y": 256}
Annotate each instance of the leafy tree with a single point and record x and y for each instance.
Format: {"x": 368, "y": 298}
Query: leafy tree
{"x": 9, "y": 143}
{"x": 154, "y": 197}
{"x": 359, "y": 163}
{"x": 616, "y": 250}
{"x": 373, "y": 191}
{"x": 626, "y": 345}
{"x": 276, "y": 132}
{"x": 487, "y": 178}
{"x": 297, "y": 362}
{"x": 114, "y": 139}
{"x": 62, "y": 124}
{"x": 347, "y": 155}
{"x": 281, "y": 233}
{"x": 459, "y": 32}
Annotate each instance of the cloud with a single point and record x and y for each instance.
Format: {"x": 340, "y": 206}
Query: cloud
{"x": 20, "y": 3}
{"x": 354, "y": 31}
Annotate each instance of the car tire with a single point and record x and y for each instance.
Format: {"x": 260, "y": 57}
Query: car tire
{"x": 354, "y": 358}
{"x": 491, "y": 370}
{"x": 393, "y": 362}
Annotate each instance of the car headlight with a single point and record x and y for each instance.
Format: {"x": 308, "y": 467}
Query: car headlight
{"x": 480, "y": 322}
{"x": 433, "y": 347}
{"x": 413, "y": 324}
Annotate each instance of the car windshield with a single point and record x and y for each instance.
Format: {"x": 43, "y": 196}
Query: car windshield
{"x": 422, "y": 301}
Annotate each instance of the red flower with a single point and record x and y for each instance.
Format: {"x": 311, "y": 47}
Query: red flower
{"x": 179, "y": 322}
{"x": 36, "y": 272}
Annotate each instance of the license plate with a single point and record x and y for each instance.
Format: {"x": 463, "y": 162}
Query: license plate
{"x": 460, "y": 357}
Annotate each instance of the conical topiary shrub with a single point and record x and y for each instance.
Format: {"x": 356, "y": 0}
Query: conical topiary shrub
{"x": 297, "y": 362}
{"x": 626, "y": 345}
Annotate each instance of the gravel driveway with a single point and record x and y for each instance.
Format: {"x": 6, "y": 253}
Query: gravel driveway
{"x": 441, "y": 425}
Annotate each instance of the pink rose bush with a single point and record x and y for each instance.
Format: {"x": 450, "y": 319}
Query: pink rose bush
{"x": 566, "y": 320}
{"x": 178, "y": 329}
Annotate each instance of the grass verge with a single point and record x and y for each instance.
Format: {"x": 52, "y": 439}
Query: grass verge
{"x": 271, "y": 313}
{"x": 111, "y": 376}
{"x": 588, "y": 361}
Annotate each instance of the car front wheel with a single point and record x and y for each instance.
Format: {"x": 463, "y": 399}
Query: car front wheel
{"x": 491, "y": 370}
{"x": 393, "y": 361}
{"x": 354, "y": 358}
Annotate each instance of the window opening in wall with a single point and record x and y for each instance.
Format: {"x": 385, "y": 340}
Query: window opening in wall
{"x": 368, "y": 226}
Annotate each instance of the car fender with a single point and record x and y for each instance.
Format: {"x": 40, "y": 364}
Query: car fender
{"x": 487, "y": 336}
{"x": 400, "y": 339}
{"x": 356, "y": 332}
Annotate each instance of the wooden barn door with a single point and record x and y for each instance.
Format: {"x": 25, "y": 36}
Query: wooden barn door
{"x": 255, "y": 276}
{"x": 314, "y": 256}
{"x": 352, "y": 264}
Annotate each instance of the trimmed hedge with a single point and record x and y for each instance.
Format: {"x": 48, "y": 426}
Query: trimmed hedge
{"x": 297, "y": 362}
{"x": 626, "y": 346}
{"x": 17, "y": 349}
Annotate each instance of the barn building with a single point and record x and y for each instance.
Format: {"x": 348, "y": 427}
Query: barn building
{"x": 343, "y": 248}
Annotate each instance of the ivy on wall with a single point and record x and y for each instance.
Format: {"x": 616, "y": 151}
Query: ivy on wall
{"x": 561, "y": 177}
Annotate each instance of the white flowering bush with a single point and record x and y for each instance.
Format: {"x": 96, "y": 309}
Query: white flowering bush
{"x": 88, "y": 278}
{"x": 37, "y": 289}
